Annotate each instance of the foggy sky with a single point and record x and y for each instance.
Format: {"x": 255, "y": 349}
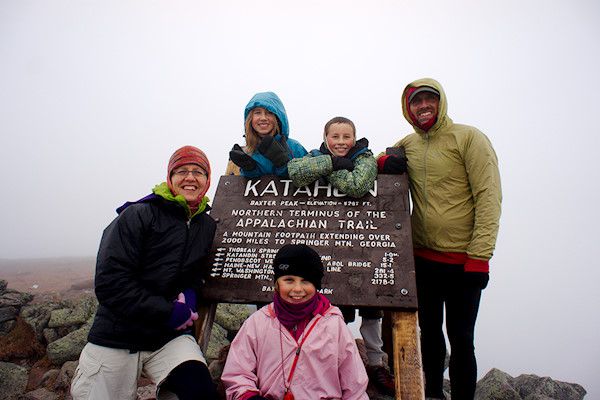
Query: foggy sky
{"x": 95, "y": 96}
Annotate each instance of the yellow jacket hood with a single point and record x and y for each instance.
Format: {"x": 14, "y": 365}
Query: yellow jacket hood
{"x": 442, "y": 117}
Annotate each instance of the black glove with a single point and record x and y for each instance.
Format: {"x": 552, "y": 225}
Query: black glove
{"x": 477, "y": 279}
{"x": 241, "y": 159}
{"x": 257, "y": 397}
{"x": 274, "y": 151}
{"x": 395, "y": 165}
{"x": 341, "y": 163}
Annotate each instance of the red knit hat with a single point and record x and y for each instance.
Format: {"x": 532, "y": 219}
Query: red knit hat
{"x": 189, "y": 155}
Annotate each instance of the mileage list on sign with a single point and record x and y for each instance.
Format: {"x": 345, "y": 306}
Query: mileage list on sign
{"x": 365, "y": 244}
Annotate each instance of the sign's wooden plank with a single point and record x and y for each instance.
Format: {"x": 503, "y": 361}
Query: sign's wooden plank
{"x": 203, "y": 325}
{"x": 407, "y": 356}
{"x": 365, "y": 244}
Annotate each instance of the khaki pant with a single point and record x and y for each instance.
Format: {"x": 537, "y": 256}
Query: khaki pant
{"x": 107, "y": 373}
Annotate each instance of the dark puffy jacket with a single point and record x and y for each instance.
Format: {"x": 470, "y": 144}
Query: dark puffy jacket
{"x": 148, "y": 255}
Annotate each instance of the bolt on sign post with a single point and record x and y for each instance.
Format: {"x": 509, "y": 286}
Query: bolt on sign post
{"x": 365, "y": 245}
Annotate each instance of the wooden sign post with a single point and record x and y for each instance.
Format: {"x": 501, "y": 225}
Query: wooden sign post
{"x": 365, "y": 245}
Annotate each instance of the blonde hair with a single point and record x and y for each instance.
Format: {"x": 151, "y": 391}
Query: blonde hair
{"x": 252, "y": 138}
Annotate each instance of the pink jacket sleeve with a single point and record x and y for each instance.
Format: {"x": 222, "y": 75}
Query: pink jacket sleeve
{"x": 239, "y": 375}
{"x": 353, "y": 377}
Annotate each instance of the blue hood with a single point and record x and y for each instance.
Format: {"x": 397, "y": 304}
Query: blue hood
{"x": 271, "y": 102}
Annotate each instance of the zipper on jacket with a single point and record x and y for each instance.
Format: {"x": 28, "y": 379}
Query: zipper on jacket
{"x": 185, "y": 245}
{"x": 425, "y": 187}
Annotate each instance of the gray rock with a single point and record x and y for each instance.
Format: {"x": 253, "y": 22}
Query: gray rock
{"x": 65, "y": 330}
{"x": 216, "y": 367}
{"x": 69, "y": 347}
{"x": 8, "y": 313}
{"x": 13, "y": 380}
{"x": 446, "y": 389}
{"x": 77, "y": 314}
{"x": 496, "y": 385}
{"x": 49, "y": 377}
{"x": 37, "y": 316}
{"x": 15, "y": 299}
{"x": 40, "y": 394}
{"x": 50, "y": 335}
{"x": 6, "y": 327}
{"x": 231, "y": 316}
{"x": 3, "y": 285}
{"x": 218, "y": 339}
{"x": 532, "y": 387}
{"x": 63, "y": 380}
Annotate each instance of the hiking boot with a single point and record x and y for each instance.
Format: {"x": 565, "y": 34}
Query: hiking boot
{"x": 382, "y": 379}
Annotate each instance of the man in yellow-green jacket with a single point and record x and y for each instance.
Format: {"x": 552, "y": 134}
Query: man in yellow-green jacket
{"x": 456, "y": 194}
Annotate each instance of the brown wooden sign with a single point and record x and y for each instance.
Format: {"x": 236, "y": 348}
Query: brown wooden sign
{"x": 365, "y": 244}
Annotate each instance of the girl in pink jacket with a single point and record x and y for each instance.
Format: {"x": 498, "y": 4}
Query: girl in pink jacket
{"x": 297, "y": 347}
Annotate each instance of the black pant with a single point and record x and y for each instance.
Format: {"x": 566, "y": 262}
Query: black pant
{"x": 349, "y": 313}
{"x": 191, "y": 381}
{"x": 440, "y": 284}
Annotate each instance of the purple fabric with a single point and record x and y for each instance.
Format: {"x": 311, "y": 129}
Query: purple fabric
{"x": 323, "y": 305}
{"x": 291, "y": 314}
{"x": 145, "y": 199}
{"x": 295, "y": 317}
{"x": 180, "y": 314}
{"x": 190, "y": 299}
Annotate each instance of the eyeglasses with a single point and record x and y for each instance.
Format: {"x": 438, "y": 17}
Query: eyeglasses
{"x": 196, "y": 173}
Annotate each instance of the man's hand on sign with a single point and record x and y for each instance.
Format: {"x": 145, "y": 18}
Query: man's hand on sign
{"x": 341, "y": 163}
{"x": 241, "y": 159}
{"x": 393, "y": 164}
{"x": 274, "y": 151}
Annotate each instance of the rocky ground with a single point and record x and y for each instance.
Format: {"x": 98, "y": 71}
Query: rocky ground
{"x": 42, "y": 334}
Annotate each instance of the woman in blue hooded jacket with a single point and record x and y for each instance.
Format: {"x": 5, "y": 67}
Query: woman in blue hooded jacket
{"x": 268, "y": 146}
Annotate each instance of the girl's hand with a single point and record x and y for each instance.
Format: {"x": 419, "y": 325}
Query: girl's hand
{"x": 274, "y": 151}
{"x": 241, "y": 159}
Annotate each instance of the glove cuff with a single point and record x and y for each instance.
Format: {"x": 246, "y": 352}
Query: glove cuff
{"x": 381, "y": 161}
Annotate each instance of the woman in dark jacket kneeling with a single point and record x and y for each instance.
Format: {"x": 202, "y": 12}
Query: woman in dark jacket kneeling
{"x": 149, "y": 270}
